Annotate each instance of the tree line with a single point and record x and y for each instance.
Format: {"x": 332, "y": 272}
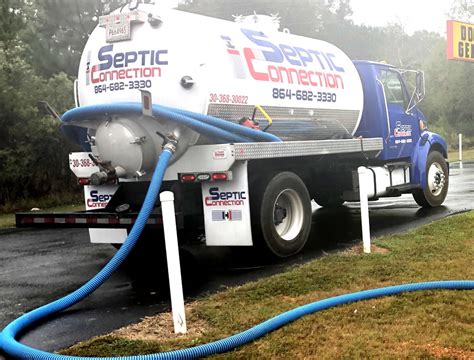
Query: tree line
{"x": 41, "y": 43}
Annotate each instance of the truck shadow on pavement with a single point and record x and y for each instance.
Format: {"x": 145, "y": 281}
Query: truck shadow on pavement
{"x": 209, "y": 269}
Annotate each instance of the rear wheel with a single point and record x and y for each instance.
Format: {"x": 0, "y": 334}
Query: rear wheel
{"x": 281, "y": 212}
{"x": 437, "y": 181}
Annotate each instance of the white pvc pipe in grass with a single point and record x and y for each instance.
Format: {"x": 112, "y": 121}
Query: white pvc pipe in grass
{"x": 172, "y": 258}
{"x": 364, "y": 207}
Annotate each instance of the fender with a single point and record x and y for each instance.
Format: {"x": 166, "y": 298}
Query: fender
{"x": 426, "y": 143}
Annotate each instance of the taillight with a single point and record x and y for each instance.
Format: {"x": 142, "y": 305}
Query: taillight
{"x": 83, "y": 181}
{"x": 219, "y": 176}
{"x": 188, "y": 178}
{"x": 205, "y": 177}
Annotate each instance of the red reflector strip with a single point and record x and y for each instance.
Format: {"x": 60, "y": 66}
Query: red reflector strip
{"x": 219, "y": 176}
{"x": 146, "y": 103}
{"x": 71, "y": 220}
{"x": 27, "y": 220}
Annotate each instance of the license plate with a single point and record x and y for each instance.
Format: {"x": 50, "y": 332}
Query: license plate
{"x": 118, "y": 26}
{"x": 118, "y": 32}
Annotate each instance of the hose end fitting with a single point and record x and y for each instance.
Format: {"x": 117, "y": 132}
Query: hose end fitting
{"x": 171, "y": 143}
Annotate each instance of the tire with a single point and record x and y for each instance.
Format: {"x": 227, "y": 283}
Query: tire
{"x": 281, "y": 213}
{"x": 329, "y": 200}
{"x": 437, "y": 181}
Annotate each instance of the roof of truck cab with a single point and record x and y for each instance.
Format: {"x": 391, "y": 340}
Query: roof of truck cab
{"x": 371, "y": 63}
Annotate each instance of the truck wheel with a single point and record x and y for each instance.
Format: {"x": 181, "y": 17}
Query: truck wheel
{"x": 282, "y": 213}
{"x": 329, "y": 200}
{"x": 437, "y": 181}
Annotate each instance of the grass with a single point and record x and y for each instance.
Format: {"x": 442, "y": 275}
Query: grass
{"x": 8, "y": 220}
{"x": 467, "y": 155}
{"x": 54, "y": 199}
{"x": 432, "y": 324}
{"x": 51, "y": 203}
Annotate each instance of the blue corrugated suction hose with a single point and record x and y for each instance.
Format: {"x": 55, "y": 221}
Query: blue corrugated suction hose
{"x": 7, "y": 337}
{"x": 212, "y": 127}
{"x": 88, "y": 112}
{"x": 226, "y": 125}
{"x": 13, "y": 348}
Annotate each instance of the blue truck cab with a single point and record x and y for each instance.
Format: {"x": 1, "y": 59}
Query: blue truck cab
{"x": 391, "y": 113}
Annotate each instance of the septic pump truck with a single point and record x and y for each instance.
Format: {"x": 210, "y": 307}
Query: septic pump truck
{"x": 262, "y": 121}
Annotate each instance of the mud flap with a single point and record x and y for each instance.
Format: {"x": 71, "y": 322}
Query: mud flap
{"x": 97, "y": 197}
{"x": 227, "y": 210}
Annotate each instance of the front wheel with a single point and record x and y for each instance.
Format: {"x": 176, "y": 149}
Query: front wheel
{"x": 437, "y": 181}
{"x": 282, "y": 210}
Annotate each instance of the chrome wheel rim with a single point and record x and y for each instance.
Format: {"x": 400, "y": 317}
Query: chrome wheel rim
{"x": 288, "y": 214}
{"x": 436, "y": 179}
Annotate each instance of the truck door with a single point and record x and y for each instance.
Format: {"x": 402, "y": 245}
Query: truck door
{"x": 403, "y": 125}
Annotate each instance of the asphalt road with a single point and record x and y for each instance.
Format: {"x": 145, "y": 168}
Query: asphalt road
{"x": 37, "y": 267}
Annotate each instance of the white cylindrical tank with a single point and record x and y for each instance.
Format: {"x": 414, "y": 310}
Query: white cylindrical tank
{"x": 310, "y": 88}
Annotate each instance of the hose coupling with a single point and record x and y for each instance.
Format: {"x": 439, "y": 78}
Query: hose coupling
{"x": 106, "y": 174}
{"x": 171, "y": 143}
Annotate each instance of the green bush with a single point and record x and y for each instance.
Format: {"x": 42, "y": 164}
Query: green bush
{"x": 33, "y": 152}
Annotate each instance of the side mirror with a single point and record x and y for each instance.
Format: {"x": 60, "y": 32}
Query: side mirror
{"x": 420, "y": 85}
{"x": 46, "y": 109}
{"x": 415, "y": 86}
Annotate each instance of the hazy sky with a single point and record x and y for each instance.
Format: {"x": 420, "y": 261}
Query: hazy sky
{"x": 411, "y": 14}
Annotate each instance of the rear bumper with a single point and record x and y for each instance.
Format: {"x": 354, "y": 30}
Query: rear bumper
{"x": 88, "y": 219}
